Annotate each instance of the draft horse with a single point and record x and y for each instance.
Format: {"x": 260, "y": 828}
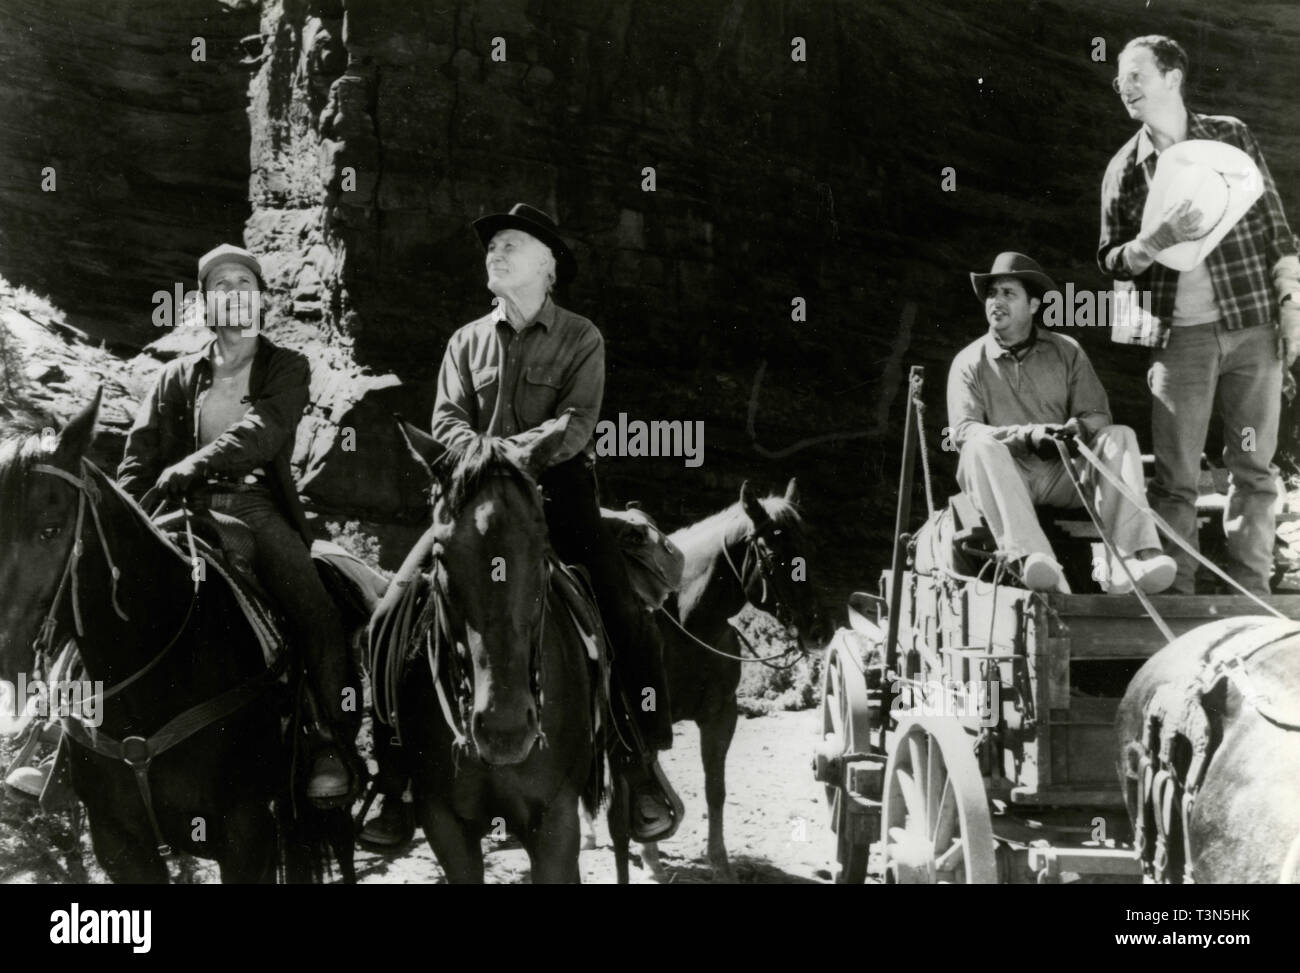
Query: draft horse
{"x": 1209, "y": 754}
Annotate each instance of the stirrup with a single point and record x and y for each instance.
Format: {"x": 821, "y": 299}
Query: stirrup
{"x": 656, "y": 783}
{"x": 345, "y": 798}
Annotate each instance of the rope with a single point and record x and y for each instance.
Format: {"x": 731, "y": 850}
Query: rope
{"x": 919, "y": 407}
{"x": 1172, "y": 534}
{"x": 1064, "y": 453}
{"x": 764, "y": 659}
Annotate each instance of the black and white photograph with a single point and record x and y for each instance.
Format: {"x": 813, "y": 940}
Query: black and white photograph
{"x": 650, "y": 442}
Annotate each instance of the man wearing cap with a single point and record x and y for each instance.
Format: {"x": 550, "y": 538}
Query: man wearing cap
{"x": 1189, "y": 213}
{"x": 513, "y": 373}
{"x": 1012, "y": 395}
{"x": 226, "y": 416}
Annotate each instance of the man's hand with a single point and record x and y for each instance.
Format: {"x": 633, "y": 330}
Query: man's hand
{"x": 1179, "y": 225}
{"x": 1042, "y": 439}
{"x": 176, "y": 480}
{"x": 1290, "y": 320}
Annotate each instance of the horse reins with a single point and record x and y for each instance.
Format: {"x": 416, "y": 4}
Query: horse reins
{"x": 135, "y": 751}
{"x": 755, "y": 550}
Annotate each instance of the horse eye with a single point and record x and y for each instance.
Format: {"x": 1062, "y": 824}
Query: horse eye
{"x": 49, "y": 533}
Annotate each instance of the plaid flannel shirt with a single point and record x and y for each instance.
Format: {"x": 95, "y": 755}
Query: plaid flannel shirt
{"x": 1241, "y": 266}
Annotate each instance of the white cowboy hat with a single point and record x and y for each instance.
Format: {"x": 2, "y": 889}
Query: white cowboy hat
{"x": 1222, "y": 182}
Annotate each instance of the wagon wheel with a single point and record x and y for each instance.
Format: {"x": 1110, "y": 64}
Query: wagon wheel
{"x": 846, "y": 728}
{"x": 935, "y": 814}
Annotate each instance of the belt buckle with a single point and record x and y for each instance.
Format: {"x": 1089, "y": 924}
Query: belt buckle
{"x": 135, "y": 752}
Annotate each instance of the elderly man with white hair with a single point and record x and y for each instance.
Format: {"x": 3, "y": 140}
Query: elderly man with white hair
{"x": 512, "y": 373}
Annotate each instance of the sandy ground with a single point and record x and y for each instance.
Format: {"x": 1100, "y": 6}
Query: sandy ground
{"x": 776, "y": 824}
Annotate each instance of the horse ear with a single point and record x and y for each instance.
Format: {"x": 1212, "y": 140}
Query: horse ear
{"x": 535, "y": 455}
{"x": 423, "y": 447}
{"x": 749, "y": 503}
{"x": 792, "y": 492}
{"x": 76, "y": 436}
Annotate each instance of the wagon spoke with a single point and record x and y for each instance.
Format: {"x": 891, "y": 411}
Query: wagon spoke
{"x": 944, "y": 824}
{"x": 911, "y": 796}
{"x": 937, "y": 784}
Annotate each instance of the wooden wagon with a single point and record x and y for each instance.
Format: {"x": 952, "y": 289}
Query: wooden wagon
{"x": 967, "y": 726}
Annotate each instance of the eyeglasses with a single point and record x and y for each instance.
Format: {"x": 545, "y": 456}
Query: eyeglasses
{"x": 1135, "y": 78}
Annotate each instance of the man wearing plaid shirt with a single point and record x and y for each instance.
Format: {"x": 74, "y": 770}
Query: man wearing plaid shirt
{"x": 1216, "y": 347}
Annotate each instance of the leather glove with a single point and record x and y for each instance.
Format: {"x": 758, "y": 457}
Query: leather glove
{"x": 177, "y": 479}
{"x": 1184, "y": 223}
{"x": 1041, "y": 440}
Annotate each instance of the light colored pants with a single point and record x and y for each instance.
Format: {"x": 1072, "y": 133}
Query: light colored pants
{"x": 1005, "y": 489}
{"x": 1238, "y": 375}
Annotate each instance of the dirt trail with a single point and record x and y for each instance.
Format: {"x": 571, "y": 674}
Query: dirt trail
{"x": 775, "y": 825}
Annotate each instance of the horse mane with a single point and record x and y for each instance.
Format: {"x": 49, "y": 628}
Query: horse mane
{"x": 464, "y": 468}
{"x": 732, "y": 523}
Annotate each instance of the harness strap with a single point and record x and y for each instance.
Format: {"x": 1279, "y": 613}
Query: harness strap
{"x": 138, "y": 752}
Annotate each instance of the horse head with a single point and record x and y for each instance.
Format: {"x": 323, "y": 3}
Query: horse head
{"x": 775, "y": 571}
{"x": 37, "y": 530}
{"x": 490, "y": 551}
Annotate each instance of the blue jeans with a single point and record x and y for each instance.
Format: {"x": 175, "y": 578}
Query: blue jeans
{"x": 284, "y": 567}
{"x": 1238, "y": 376}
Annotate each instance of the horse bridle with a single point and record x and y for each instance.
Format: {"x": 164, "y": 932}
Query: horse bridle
{"x": 135, "y": 751}
{"x": 88, "y": 496}
{"x": 441, "y": 641}
{"x": 759, "y": 559}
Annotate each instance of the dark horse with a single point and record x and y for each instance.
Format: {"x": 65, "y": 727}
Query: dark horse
{"x": 754, "y": 552}
{"x": 1227, "y": 693}
{"x": 78, "y": 557}
{"x": 503, "y": 733}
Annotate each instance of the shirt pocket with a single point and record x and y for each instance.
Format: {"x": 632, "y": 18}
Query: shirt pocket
{"x": 485, "y": 381}
{"x": 538, "y": 394}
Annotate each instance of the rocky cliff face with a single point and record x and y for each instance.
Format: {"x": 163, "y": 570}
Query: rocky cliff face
{"x": 376, "y": 131}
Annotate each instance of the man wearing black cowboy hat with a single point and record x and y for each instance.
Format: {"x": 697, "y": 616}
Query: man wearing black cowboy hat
{"x": 511, "y": 374}
{"x": 1014, "y": 392}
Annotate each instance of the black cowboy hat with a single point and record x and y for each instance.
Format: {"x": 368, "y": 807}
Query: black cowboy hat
{"x": 537, "y": 224}
{"x": 1012, "y": 264}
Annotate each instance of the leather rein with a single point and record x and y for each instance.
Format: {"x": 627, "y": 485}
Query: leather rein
{"x": 137, "y": 752}
{"x": 756, "y": 551}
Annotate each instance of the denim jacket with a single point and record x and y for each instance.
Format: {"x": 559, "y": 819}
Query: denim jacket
{"x": 166, "y": 428}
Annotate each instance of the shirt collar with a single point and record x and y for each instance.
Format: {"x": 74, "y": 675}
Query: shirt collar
{"x": 205, "y": 353}
{"x": 545, "y": 315}
{"x": 995, "y": 350}
{"x": 1145, "y": 147}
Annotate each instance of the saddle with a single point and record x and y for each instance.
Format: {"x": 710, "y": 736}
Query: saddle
{"x": 1182, "y": 729}
{"x": 409, "y": 614}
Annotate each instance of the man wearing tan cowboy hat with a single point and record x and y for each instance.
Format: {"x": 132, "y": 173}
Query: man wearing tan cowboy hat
{"x": 1012, "y": 394}
{"x": 508, "y": 374}
{"x": 1190, "y": 214}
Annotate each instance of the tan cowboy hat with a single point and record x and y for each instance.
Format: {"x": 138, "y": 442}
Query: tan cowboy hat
{"x": 1012, "y": 264}
{"x": 1222, "y": 182}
